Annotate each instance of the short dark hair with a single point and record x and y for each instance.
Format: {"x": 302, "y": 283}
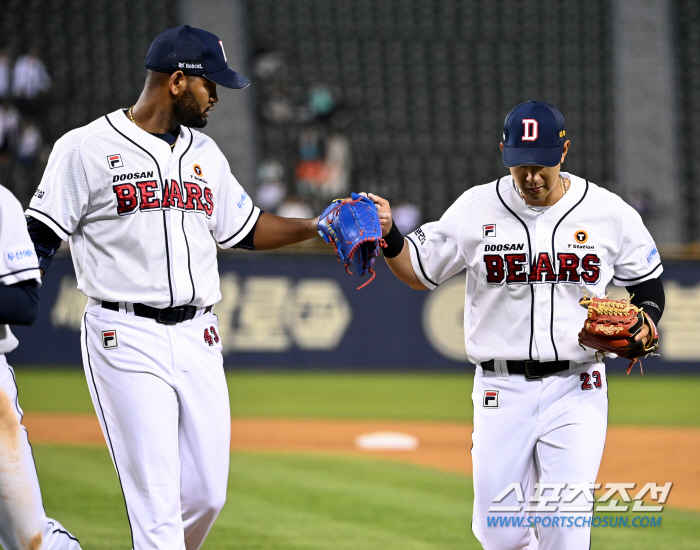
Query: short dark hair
{"x": 155, "y": 79}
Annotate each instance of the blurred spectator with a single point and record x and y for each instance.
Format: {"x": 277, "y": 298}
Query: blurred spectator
{"x": 268, "y": 61}
{"x": 29, "y": 144}
{"x": 277, "y": 107}
{"x": 310, "y": 175}
{"x": 321, "y": 101}
{"x": 9, "y": 132}
{"x": 4, "y": 74}
{"x": 310, "y": 170}
{"x": 323, "y": 169}
{"x": 406, "y": 216}
{"x": 294, "y": 207}
{"x": 271, "y": 189}
{"x": 309, "y": 144}
{"x": 320, "y": 106}
{"x": 270, "y": 68}
{"x": 336, "y": 177}
{"x": 30, "y": 83}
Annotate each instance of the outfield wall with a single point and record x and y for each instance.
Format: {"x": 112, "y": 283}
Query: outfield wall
{"x": 302, "y": 311}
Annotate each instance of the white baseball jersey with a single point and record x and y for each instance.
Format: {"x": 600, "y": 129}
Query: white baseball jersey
{"x": 19, "y": 261}
{"x": 526, "y": 271}
{"x": 23, "y": 522}
{"x": 108, "y": 184}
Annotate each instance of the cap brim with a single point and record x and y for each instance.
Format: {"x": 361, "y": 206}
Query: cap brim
{"x": 229, "y": 79}
{"x": 532, "y": 156}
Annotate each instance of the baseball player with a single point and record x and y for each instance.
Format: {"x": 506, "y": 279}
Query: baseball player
{"x": 23, "y": 522}
{"x": 531, "y": 244}
{"x": 144, "y": 198}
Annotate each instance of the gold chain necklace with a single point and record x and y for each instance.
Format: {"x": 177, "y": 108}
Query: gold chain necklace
{"x": 564, "y": 189}
{"x": 130, "y": 115}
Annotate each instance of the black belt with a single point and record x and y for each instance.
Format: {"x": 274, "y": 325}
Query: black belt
{"x": 167, "y": 316}
{"x": 532, "y": 370}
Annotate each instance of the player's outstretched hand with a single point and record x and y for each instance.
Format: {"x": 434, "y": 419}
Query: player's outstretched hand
{"x": 384, "y": 209}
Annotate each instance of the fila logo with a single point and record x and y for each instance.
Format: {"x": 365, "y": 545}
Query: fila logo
{"x": 491, "y": 398}
{"x": 222, "y": 51}
{"x": 115, "y": 161}
{"x": 109, "y": 339}
{"x": 530, "y": 129}
{"x": 490, "y": 230}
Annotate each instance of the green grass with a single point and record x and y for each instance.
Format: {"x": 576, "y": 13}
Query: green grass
{"x": 350, "y": 395}
{"x": 80, "y": 489}
{"x": 648, "y": 400}
{"x": 654, "y": 400}
{"x": 294, "y": 501}
{"x": 311, "y": 502}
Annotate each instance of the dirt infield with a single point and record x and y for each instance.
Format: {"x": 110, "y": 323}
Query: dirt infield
{"x": 632, "y": 454}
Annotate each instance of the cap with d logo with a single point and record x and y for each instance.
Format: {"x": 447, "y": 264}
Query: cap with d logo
{"x": 194, "y": 52}
{"x": 533, "y": 135}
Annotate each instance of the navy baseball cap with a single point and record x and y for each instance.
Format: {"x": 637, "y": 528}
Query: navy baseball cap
{"x": 194, "y": 52}
{"x": 533, "y": 135}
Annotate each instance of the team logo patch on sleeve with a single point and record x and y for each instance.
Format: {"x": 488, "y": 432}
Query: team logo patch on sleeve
{"x": 109, "y": 339}
{"x": 115, "y": 161}
{"x": 490, "y": 230}
{"x": 491, "y": 398}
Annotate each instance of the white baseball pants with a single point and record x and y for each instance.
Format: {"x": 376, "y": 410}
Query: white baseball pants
{"x": 550, "y": 430}
{"x": 161, "y": 398}
{"x": 23, "y": 522}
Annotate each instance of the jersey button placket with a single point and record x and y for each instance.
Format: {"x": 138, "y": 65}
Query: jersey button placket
{"x": 542, "y": 294}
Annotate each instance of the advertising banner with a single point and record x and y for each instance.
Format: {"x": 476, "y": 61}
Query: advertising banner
{"x": 297, "y": 311}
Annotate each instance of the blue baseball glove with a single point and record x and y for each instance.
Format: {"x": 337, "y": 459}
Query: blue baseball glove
{"x": 353, "y": 227}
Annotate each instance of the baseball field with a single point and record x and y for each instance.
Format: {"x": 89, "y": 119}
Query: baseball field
{"x": 297, "y": 481}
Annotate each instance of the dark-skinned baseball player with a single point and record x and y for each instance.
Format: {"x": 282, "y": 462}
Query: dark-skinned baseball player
{"x": 144, "y": 199}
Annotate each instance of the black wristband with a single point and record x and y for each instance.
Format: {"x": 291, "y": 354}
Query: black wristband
{"x": 394, "y": 242}
{"x": 652, "y": 310}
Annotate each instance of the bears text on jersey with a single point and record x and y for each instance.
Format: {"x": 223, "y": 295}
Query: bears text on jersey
{"x": 516, "y": 269}
{"x": 144, "y": 196}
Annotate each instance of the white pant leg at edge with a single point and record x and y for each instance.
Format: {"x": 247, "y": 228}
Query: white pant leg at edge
{"x": 23, "y": 522}
{"x": 503, "y": 448}
{"x": 205, "y": 427}
{"x": 570, "y": 448}
{"x": 145, "y": 392}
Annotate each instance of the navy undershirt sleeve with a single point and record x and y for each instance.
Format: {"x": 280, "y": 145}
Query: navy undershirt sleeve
{"x": 46, "y": 242}
{"x": 650, "y": 296}
{"x": 19, "y": 303}
{"x": 246, "y": 243}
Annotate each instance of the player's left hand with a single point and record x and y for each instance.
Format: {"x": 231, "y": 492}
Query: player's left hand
{"x": 619, "y": 327}
{"x": 384, "y": 209}
{"x": 644, "y": 335}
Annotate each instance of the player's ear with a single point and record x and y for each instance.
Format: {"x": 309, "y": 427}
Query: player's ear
{"x": 563, "y": 153}
{"x": 177, "y": 83}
